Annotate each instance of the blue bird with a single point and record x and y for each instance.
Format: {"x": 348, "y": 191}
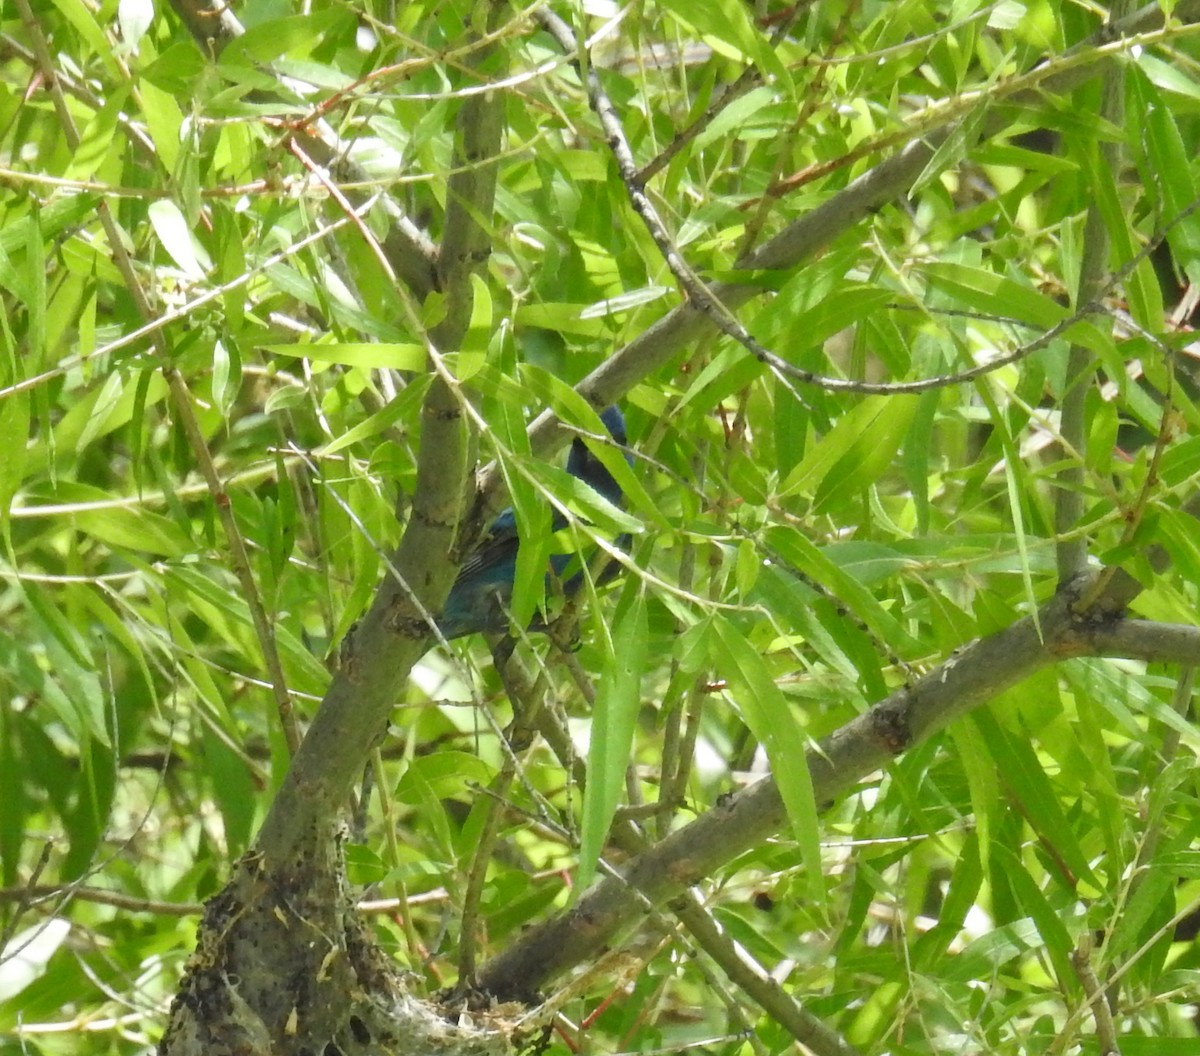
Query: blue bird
{"x": 479, "y": 599}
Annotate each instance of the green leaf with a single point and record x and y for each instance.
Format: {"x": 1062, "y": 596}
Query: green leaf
{"x": 1167, "y": 167}
{"x": 120, "y": 524}
{"x": 35, "y": 288}
{"x": 478, "y": 338}
{"x": 988, "y": 955}
{"x": 985, "y": 291}
{"x": 1057, "y": 941}
{"x": 365, "y": 355}
{"x": 1141, "y": 284}
{"x": 53, "y": 219}
{"x": 532, "y": 512}
{"x": 176, "y": 237}
{"x": 227, "y": 376}
{"x": 98, "y": 138}
{"x": 794, "y": 548}
{"x": 981, "y": 782}
{"x": 164, "y": 120}
{"x": 727, "y": 26}
{"x": 176, "y": 70}
{"x": 446, "y": 775}
{"x": 1026, "y": 781}
{"x": 563, "y": 318}
{"x": 233, "y": 789}
{"x": 14, "y": 434}
{"x": 73, "y": 688}
{"x": 854, "y": 453}
{"x": 295, "y": 35}
{"x": 618, "y": 700}
{"x": 769, "y": 717}
{"x": 108, "y": 401}
{"x": 85, "y": 24}
{"x": 404, "y": 407}
{"x": 953, "y": 150}
{"x": 574, "y": 409}
{"x": 625, "y": 301}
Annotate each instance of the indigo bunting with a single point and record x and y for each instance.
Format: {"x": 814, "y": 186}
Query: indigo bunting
{"x": 480, "y": 595}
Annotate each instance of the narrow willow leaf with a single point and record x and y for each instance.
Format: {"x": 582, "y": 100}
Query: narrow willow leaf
{"x": 618, "y": 700}
{"x": 403, "y": 408}
{"x": 855, "y": 451}
{"x": 823, "y": 565}
{"x": 982, "y": 784}
{"x": 728, "y": 27}
{"x": 14, "y": 434}
{"x": 72, "y": 685}
{"x": 367, "y": 355}
{"x": 563, "y": 318}
{"x": 1015, "y": 503}
{"x": 292, "y": 35}
{"x": 1027, "y": 782}
{"x": 533, "y": 515}
{"x": 769, "y": 716}
{"x": 84, "y": 22}
{"x": 107, "y": 401}
{"x": 1168, "y": 165}
{"x": 1141, "y": 284}
{"x": 632, "y": 299}
{"x": 571, "y": 407}
{"x": 232, "y": 787}
{"x": 122, "y": 525}
{"x": 164, "y": 119}
{"x": 479, "y": 331}
{"x": 226, "y": 376}
{"x": 98, "y": 140}
{"x": 35, "y": 289}
{"x": 1058, "y": 942}
{"x": 176, "y": 237}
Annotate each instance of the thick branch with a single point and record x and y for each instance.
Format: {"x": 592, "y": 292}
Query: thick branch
{"x": 395, "y": 634}
{"x": 909, "y": 716}
{"x": 390, "y": 639}
{"x": 800, "y": 240}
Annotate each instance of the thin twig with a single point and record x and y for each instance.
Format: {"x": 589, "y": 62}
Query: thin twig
{"x": 239, "y": 554}
{"x": 749, "y": 79}
{"x": 1081, "y": 961}
{"x": 904, "y": 718}
{"x": 756, "y": 981}
{"x": 1081, "y": 364}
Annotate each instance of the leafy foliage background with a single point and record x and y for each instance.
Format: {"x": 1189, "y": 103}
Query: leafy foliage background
{"x": 801, "y": 550}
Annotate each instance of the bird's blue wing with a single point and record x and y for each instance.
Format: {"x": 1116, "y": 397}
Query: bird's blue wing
{"x": 585, "y": 466}
{"x": 480, "y": 594}
{"x": 479, "y": 598}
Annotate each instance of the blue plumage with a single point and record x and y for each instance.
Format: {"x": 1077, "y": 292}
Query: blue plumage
{"x": 481, "y": 593}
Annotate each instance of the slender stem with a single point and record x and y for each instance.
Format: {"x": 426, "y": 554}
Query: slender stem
{"x": 182, "y": 398}
{"x": 974, "y": 675}
{"x": 528, "y": 699}
{"x": 1081, "y": 364}
{"x": 1081, "y": 961}
{"x": 754, "y": 979}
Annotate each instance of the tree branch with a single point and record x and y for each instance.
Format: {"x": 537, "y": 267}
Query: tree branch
{"x": 889, "y": 179}
{"x": 395, "y": 634}
{"x": 747, "y": 973}
{"x": 411, "y": 254}
{"x": 1081, "y": 364}
{"x": 972, "y": 676}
